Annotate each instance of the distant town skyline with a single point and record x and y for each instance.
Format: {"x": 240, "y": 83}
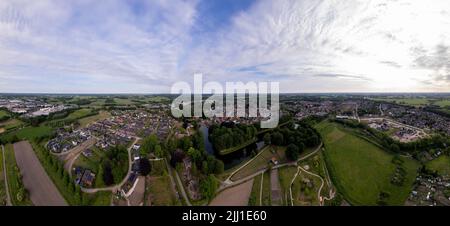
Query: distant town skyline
{"x": 144, "y": 47}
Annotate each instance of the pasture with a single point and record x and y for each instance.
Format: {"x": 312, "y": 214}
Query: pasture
{"x": 362, "y": 171}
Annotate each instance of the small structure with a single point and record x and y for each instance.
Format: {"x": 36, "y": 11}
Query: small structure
{"x": 88, "y": 178}
{"x": 274, "y": 161}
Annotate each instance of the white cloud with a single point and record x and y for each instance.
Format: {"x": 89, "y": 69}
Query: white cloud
{"x": 300, "y": 39}
{"x": 309, "y": 46}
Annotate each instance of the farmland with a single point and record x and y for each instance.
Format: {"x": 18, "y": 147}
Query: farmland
{"x": 31, "y": 133}
{"x": 362, "y": 171}
{"x": 41, "y": 189}
{"x": 90, "y": 119}
{"x": 10, "y": 124}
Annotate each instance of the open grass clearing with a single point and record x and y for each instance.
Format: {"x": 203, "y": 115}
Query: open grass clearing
{"x": 14, "y": 179}
{"x": 91, "y": 119}
{"x": 261, "y": 161}
{"x": 441, "y": 165}
{"x": 361, "y": 170}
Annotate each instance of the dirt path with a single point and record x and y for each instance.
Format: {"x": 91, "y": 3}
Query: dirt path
{"x": 41, "y": 189}
{"x": 235, "y": 196}
{"x": 8, "y": 198}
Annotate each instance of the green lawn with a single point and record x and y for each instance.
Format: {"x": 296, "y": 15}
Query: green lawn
{"x": 3, "y": 114}
{"x": 102, "y": 198}
{"x": 71, "y": 118}
{"x": 2, "y": 182}
{"x": 158, "y": 186}
{"x": 81, "y": 113}
{"x": 31, "y": 133}
{"x": 441, "y": 165}
{"x": 87, "y": 120}
{"x": 267, "y": 192}
{"x": 14, "y": 179}
{"x": 261, "y": 161}
{"x": 11, "y": 124}
{"x": 256, "y": 191}
{"x": 443, "y": 103}
{"x": 417, "y": 102}
{"x": 361, "y": 170}
{"x": 123, "y": 101}
{"x": 159, "y": 190}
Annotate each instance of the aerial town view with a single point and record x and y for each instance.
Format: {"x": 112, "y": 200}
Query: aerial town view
{"x": 357, "y": 94}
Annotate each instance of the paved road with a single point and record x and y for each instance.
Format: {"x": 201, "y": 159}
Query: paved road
{"x": 8, "y": 197}
{"x": 42, "y": 190}
{"x": 117, "y": 186}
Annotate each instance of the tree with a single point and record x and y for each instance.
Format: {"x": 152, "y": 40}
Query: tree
{"x": 220, "y": 167}
{"x": 277, "y": 139}
{"x": 292, "y": 152}
{"x": 144, "y": 167}
{"x": 394, "y": 148}
{"x": 108, "y": 178}
{"x": 195, "y": 155}
{"x": 205, "y": 168}
{"x": 149, "y": 144}
{"x": 158, "y": 151}
{"x": 267, "y": 140}
{"x": 208, "y": 187}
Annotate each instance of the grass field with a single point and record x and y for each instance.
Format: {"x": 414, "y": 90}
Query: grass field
{"x": 2, "y": 182}
{"x": 11, "y": 124}
{"x": 443, "y": 103}
{"x": 261, "y": 161}
{"x": 159, "y": 191}
{"x": 417, "y": 102}
{"x": 31, "y": 133}
{"x": 123, "y": 101}
{"x": 254, "y": 199}
{"x": 14, "y": 178}
{"x": 3, "y": 114}
{"x": 361, "y": 170}
{"x": 266, "y": 194}
{"x": 79, "y": 113}
{"x": 441, "y": 165}
{"x": 102, "y": 198}
{"x": 87, "y": 120}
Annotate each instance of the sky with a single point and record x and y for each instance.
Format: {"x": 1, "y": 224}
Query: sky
{"x": 139, "y": 46}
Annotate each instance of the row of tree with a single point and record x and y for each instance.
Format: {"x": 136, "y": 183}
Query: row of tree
{"x": 231, "y": 135}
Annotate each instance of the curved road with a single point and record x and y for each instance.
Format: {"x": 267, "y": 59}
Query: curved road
{"x": 117, "y": 186}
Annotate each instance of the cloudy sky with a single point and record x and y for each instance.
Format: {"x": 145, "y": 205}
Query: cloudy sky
{"x": 139, "y": 46}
